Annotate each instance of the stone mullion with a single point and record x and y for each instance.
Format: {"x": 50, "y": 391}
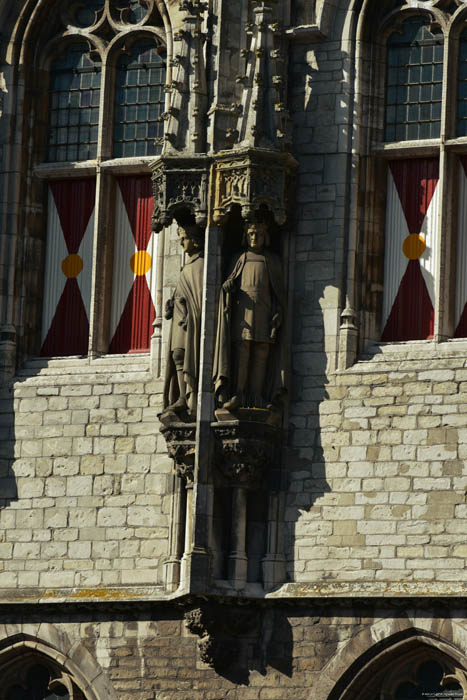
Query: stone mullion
{"x": 446, "y": 272}
{"x": 448, "y": 174}
{"x": 101, "y": 267}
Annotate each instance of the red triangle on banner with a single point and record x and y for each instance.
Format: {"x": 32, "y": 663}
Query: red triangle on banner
{"x": 412, "y": 314}
{"x": 416, "y": 182}
{"x": 134, "y": 329}
{"x": 139, "y": 203}
{"x": 461, "y": 330}
{"x": 69, "y": 331}
{"x": 74, "y": 200}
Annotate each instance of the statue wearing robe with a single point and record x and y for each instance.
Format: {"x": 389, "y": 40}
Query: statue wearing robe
{"x": 250, "y": 357}
{"x": 184, "y": 308}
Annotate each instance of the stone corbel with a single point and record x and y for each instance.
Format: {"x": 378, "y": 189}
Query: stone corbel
{"x": 180, "y": 439}
{"x": 252, "y": 178}
{"x": 180, "y": 184}
{"x": 244, "y": 449}
{"x": 219, "y": 629}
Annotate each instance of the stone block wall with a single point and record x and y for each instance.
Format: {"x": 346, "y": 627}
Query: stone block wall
{"x": 288, "y": 653}
{"x": 84, "y": 476}
{"x": 378, "y": 474}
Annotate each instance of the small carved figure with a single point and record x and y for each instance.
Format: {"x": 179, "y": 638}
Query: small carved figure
{"x": 184, "y": 308}
{"x": 250, "y": 353}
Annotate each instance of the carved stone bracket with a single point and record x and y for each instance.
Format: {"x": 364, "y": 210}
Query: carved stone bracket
{"x": 219, "y": 629}
{"x": 252, "y": 178}
{"x": 244, "y": 449}
{"x": 180, "y": 438}
{"x": 179, "y": 184}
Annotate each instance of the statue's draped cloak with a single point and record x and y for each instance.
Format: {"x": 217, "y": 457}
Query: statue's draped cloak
{"x": 189, "y": 288}
{"x": 276, "y": 376}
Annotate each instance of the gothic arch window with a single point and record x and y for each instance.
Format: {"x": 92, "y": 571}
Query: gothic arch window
{"x": 35, "y": 678}
{"x": 100, "y": 80}
{"x": 415, "y": 176}
{"x": 407, "y": 670}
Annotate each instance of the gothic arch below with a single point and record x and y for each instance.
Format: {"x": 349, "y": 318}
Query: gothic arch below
{"x": 73, "y": 658}
{"x": 389, "y": 639}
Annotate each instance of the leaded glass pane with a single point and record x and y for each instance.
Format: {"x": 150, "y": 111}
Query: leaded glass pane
{"x": 74, "y": 86}
{"x": 129, "y": 11}
{"x": 461, "y": 129}
{"x": 139, "y": 101}
{"x": 414, "y": 76}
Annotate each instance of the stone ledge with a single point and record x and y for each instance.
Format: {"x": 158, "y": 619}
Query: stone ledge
{"x": 101, "y": 594}
{"x": 369, "y": 590}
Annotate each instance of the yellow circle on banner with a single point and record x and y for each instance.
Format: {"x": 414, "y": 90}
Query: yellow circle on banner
{"x": 72, "y": 265}
{"x": 413, "y": 246}
{"x": 140, "y": 262}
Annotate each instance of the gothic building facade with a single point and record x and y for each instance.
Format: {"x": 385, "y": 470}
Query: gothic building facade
{"x": 233, "y": 349}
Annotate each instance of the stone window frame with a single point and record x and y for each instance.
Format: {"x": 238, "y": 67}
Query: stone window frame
{"x": 105, "y": 167}
{"x": 365, "y": 279}
{"x": 15, "y": 672}
{"x": 379, "y": 672}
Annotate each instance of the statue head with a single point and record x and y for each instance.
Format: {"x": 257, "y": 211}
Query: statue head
{"x": 191, "y": 239}
{"x": 257, "y": 235}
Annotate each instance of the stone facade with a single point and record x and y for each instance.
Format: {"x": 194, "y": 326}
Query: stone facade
{"x": 133, "y": 561}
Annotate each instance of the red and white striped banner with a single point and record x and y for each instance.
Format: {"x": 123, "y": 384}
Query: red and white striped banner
{"x": 411, "y": 249}
{"x": 68, "y": 267}
{"x": 134, "y": 278}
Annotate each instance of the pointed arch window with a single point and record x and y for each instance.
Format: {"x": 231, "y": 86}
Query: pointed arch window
{"x": 106, "y": 96}
{"x": 416, "y": 287}
{"x": 38, "y": 679}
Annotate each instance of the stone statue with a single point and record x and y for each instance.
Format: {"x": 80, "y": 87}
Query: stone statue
{"x": 184, "y": 308}
{"x": 250, "y": 356}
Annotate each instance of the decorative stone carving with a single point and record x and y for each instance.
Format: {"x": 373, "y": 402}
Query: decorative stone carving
{"x": 264, "y": 121}
{"x": 186, "y": 117}
{"x": 179, "y": 184}
{"x": 245, "y": 448}
{"x": 252, "y": 178}
{"x": 219, "y": 629}
{"x": 180, "y": 438}
{"x": 250, "y": 355}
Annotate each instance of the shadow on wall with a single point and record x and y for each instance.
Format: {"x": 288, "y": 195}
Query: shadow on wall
{"x": 321, "y": 140}
{"x": 8, "y": 487}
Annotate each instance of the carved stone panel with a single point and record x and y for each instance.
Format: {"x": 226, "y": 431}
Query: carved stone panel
{"x": 245, "y": 449}
{"x": 179, "y": 184}
{"x": 180, "y": 438}
{"x": 252, "y": 178}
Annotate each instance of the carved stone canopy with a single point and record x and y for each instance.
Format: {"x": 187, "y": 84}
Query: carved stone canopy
{"x": 253, "y": 178}
{"x": 179, "y": 184}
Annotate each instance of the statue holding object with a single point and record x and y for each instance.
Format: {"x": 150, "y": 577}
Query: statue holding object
{"x": 250, "y": 355}
{"x": 184, "y": 308}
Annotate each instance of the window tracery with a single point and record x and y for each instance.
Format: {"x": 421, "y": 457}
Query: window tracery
{"x": 105, "y": 69}
{"x": 35, "y": 679}
{"x": 416, "y": 177}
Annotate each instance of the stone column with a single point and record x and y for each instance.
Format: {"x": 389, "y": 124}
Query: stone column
{"x": 203, "y": 488}
{"x": 177, "y": 535}
{"x": 274, "y": 560}
{"x": 238, "y": 561}
{"x": 188, "y": 549}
